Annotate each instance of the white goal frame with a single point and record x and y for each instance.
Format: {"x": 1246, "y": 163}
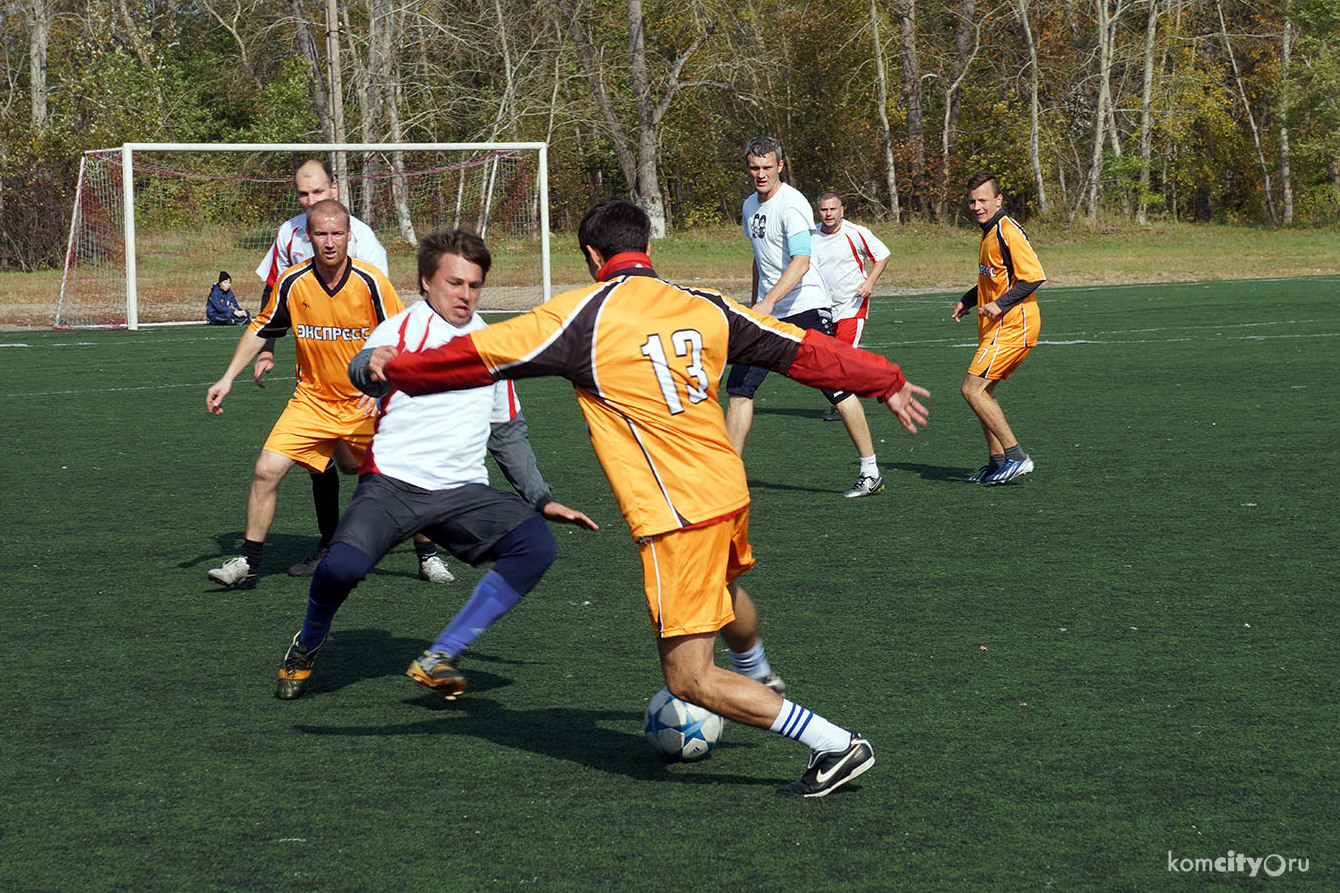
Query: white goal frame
{"x": 128, "y": 151}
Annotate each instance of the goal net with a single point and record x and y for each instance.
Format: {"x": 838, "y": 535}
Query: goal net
{"x": 153, "y": 225}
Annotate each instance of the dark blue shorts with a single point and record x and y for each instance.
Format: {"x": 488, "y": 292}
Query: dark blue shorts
{"x": 743, "y": 381}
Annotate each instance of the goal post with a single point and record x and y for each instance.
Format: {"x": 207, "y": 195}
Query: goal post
{"x": 153, "y": 224}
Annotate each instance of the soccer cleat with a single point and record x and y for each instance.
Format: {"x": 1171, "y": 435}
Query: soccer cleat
{"x": 832, "y": 769}
{"x": 307, "y": 566}
{"x": 437, "y": 670}
{"x": 235, "y": 572}
{"x": 434, "y": 570}
{"x": 979, "y": 475}
{"x": 1013, "y": 468}
{"x": 774, "y": 682}
{"x": 865, "y": 485}
{"x": 831, "y": 416}
{"x": 296, "y": 670}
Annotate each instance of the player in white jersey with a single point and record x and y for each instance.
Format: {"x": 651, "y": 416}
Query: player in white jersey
{"x": 425, "y": 471}
{"x": 779, "y": 224}
{"x": 850, "y": 259}
{"x": 314, "y": 182}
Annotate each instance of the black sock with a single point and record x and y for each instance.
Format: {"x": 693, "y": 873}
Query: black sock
{"x": 251, "y": 551}
{"x": 326, "y": 498}
{"x": 425, "y": 550}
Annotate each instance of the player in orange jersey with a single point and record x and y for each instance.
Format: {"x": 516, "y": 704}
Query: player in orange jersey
{"x": 332, "y": 303}
{"x": 645, "y": 357}
{"x": 1008, "y": 322}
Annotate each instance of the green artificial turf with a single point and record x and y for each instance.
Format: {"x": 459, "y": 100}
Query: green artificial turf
{"x": 1126, "y": 657}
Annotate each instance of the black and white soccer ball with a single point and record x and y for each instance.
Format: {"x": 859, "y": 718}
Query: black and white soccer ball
{"x": 678, "y": 730}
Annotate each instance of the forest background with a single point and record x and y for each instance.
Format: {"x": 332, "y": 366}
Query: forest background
{"x": 1090, "y": 111}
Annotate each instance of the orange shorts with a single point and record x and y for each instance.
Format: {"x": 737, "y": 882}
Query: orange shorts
{"x": 1002, "y": 346}
{"x": 995, "y": 361}
{"x": 308, "y": 431}
{"x": 685, "y": 572}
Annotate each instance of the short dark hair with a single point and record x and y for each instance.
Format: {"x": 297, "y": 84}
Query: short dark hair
{"x": 613, "y": 226}
{"x": 460, "y": 242}
{"x": 824, "y": 195}
{"x": 764, "y": 145}
{"x": 981, "y": 178}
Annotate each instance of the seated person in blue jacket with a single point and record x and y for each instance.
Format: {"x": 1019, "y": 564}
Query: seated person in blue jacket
{"x": 222, "y": 308}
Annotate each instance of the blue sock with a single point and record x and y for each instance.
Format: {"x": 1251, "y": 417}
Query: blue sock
{"x": 336, "y": 576}
{"x": 810, "y": 729}
{"x": 492, "y": 598}
{"x": 752, "y": 663}
{"x": 520, "y": 560}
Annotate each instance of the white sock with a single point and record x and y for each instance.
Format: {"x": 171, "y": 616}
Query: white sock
{"x": 752, "y": 663}
{"x": 869, "y": 467}
{"x": 810, "y": 729}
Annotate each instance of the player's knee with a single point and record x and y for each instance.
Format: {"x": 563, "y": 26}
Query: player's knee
{"x": 525, "y": 554}
{"x": 343, "y": 568}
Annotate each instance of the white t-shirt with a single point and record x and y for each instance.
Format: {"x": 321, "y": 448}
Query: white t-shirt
{"x": 769, "y": 227}
{"x": 841, "y": 259}
{"x": 292, "y": 246}
{"x": 436, "y": 441}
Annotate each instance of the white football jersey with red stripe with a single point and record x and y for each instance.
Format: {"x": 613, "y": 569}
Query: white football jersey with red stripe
{"x": 437, "y": 441}
{"x": 841, "y": 258}
{"x": 292, "y": 246}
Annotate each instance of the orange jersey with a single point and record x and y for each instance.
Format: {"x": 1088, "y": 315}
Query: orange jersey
{"x": 646, "y": 358}
{"x": 330, "y": 326}
{"x": 1004, "y": 258}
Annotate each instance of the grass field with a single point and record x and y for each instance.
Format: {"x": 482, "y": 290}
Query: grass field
{"x": 1126, "y": 659}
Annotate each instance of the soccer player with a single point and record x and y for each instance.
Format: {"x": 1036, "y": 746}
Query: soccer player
{"x": 1008, "y": 322}
{"x": 331, "y": 302}
{"x": 850, "y": 259}
{"x": 425, "y": 471}
{"x": 313, "y": 182}
{"x": 646, "y": 357}
{"x": 778, "y": 222}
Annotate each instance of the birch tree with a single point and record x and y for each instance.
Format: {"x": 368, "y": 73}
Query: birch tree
{"x": 637, "y": 153}
{"x": 882, "y": 107}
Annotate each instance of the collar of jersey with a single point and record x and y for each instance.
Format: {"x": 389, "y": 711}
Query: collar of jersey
{"x": 986, "y": 227}
{"x": 626, "y": 263}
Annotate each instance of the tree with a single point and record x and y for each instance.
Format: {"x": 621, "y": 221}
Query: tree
{"x": 639, "y": 166}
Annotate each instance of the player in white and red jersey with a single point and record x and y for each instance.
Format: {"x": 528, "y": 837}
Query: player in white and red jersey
{"x": 313, "y": 182}
{"x": 840, "y": 251}
{"x": 331, "y": 303}
{"x": 425, "y": 471}
{"x": 850, "y": 258}
{"x": 645, "y": 357}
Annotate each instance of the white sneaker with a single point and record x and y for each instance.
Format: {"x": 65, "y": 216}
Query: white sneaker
{"x": 434, "y": 570}
{"x": 235, "y": 571}
{"x": 865, "y": 486}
